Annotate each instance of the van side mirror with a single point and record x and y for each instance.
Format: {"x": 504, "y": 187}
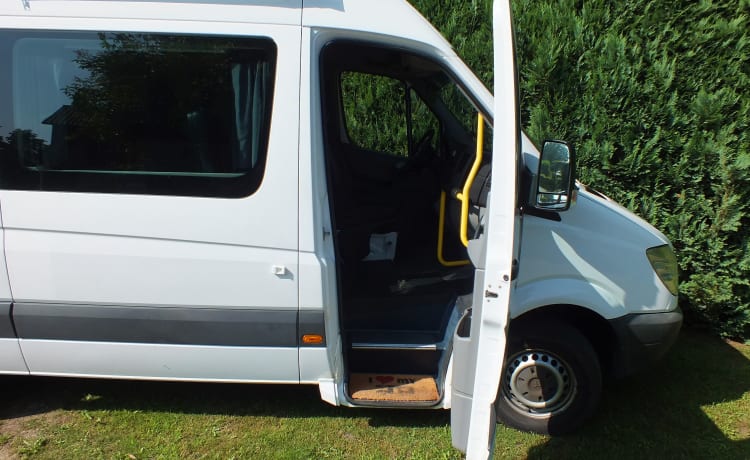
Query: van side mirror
{"x": 556, "y": 177}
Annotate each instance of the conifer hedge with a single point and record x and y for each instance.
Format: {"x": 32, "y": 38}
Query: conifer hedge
{"x": 655, "y": 95}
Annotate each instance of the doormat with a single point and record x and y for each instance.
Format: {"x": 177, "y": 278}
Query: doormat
{"x": 392, "y": 387}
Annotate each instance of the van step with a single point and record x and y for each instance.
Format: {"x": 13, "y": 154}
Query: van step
{"x": 394, "y": 346}
{"x": 390, "y": 340}
{"x": 393, "y": 387}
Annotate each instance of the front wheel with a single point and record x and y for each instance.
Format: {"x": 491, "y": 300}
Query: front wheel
{"x": 552, "y": 380}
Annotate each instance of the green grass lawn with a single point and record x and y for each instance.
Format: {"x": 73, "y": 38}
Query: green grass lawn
{"x": 696, "y": 404}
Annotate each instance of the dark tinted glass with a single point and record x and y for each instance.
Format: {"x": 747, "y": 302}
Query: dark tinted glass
{"x": 134, "y": 113}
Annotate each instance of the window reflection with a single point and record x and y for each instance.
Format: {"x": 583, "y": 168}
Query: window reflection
{"x": 138, "y": 113}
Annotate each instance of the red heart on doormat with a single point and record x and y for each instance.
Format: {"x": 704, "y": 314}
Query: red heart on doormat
{"x": 383, "y": 379}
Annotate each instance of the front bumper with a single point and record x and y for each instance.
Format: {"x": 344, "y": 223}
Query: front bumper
{"x": 643, "y": 339}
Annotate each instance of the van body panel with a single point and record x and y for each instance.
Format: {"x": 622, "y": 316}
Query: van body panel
{"x": 567, "y": 291}
{"x": 89, "y": 268}
{"x": 170, "y": 256}
{"x": 634, "y": 229}
{"x": 314, "y": 365}
{"x": 393, "y": 18}
{"x": 251, "y": 11}
{"x": 144, "y": 361}
{"x": 311, "y": 322}
{"x": 11, "y": 359}
{"x": 6, "y": 323}
{"x": 317, "y": 285}
{"x": 572, "y": 262}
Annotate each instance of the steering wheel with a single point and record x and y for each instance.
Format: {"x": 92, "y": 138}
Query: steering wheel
{"x": 422, "y": 151}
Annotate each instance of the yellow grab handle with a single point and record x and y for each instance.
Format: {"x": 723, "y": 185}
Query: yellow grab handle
{"x": 463, "y": 197}
{"x": 441, "y": 235}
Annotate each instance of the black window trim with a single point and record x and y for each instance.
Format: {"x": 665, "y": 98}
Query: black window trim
{"x": 164, "y": 183}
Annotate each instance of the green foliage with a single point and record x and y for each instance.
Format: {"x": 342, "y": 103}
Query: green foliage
{"x": 374, "y": 108}
{"x": 31, "y": 447}
{"x": 654, "y": 94}
{"x": 378, "y": 110}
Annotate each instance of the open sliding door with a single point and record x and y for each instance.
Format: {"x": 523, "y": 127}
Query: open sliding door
{"x": 480, "y": 340}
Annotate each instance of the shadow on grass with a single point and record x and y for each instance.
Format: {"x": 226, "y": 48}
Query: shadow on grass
{"x": 661, "y": 413}
{"x": 25, "y": 396}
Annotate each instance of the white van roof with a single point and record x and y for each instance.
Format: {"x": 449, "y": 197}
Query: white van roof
{"x": 237, "y": 11}
{"x": 388, "y": 17}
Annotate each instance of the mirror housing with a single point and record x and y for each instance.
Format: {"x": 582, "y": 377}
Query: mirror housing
{"x": 555, "y": 179}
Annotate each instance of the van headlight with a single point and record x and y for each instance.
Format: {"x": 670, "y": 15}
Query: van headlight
{"x": 664, "y": 262}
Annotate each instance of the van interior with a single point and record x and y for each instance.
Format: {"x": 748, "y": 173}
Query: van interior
{"x": 400, "y": 146}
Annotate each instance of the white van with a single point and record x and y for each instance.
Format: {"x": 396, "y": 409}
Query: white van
{"x": 298, "y": 191}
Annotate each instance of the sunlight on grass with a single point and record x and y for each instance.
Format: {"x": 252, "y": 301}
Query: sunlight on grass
{"x": 732, "y": 418}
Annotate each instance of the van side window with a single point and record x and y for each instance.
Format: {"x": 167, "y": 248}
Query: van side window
{"x": 134, "y": 113}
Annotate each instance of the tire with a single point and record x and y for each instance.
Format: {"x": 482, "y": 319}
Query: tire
{"x": 552, "y": 380}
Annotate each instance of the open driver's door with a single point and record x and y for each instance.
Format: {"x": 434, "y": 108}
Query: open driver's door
{"x": 480, "y": 340}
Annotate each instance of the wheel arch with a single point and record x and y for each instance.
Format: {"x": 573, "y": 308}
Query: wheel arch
{"x": 593, "y": 326}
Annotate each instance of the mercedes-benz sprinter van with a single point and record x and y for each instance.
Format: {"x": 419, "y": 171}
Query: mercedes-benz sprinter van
{"x": 307, "y": 191}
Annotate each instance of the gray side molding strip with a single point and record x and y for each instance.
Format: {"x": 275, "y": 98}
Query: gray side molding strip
{"x": 6, "y": 324}
{"x": 312, "y": 322}
{"x": 167, "y": 325}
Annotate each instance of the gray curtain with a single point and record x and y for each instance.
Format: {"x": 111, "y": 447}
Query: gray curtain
{"x": 250, "y": 83}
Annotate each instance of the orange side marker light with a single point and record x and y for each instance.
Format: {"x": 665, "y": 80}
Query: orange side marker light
{"x": 312, "y": 339}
